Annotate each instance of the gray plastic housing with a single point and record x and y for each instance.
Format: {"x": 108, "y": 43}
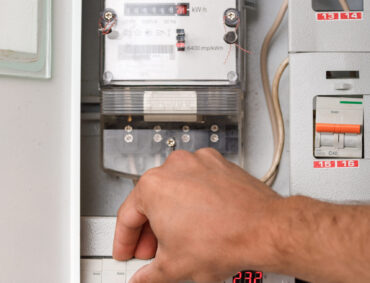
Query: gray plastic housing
{"x": 308, "y": 80}
{"x": 307, "y": 34}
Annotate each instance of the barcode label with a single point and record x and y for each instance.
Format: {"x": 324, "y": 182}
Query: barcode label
{"x": 145, "y": 51}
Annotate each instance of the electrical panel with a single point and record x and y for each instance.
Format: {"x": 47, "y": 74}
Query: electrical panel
{"x": 171, "y": 78}
{"x": 330, "y": 100}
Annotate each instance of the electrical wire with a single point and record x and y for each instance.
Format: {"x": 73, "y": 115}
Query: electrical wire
{"x": 266, "y": 84}
{"x": 264, "y": 70}
{"x": 344, "y": 5}
{"x": 280, "y": 121}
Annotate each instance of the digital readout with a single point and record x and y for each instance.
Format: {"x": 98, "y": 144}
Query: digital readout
{"x": 157, "y": 9}
{"x": 248, "y": 277}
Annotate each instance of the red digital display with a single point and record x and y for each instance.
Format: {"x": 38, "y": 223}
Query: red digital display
{"x": 248, "y": 277}
{"x": 182, "y": 9}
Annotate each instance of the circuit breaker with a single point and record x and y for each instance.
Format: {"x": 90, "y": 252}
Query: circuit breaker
{"x": 171, "y": 78}
{"x": 329, "y": 100}
{"x": 339, "y": 127}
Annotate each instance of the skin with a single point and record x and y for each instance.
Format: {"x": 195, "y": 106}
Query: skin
{"x": 209, "y": 219}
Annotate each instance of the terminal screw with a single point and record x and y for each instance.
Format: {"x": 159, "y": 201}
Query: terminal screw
{"x": 129, "y": 138}
{"x": 171, "y": 142}
{"x": 128, "y": 129}
{"x": 157, "y": 138}
{"x": 215, "y": 128}
{"x": 108, "y": 15}
{"x": 232, "y": 17}
{"x": 214, "y": 138}
{"x": 186, "y": 129}
{"x": 185, "y": 138}
{"x": 231, "y": 37}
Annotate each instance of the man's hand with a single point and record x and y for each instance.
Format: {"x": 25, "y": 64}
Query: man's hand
{"x": 208, "y": 220}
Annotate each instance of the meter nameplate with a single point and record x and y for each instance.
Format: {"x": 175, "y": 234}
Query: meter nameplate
{"x": 170, "y": 102}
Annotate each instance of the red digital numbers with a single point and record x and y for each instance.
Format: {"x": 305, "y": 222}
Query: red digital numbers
{"x": 237, "y": 277}
{"x": 182, "y": 10}
{"x": 259, "y": 276}
{"x": 248, "y": 277}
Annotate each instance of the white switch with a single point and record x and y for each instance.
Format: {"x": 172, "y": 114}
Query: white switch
{"x": 339, "y": 127}
{"x": 113, "y": 271}
{"x": 91, "y": 271}
{"x": 133, "y": 266}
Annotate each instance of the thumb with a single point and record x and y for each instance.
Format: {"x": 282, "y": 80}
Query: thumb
{"x": 151, "y": 273}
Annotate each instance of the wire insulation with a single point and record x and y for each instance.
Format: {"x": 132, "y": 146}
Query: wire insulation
{"x": 344, "y": 5}
{"x": 279, "y": 119}
{"x": 270, "y": 178}
{"x": 264, "y": 70}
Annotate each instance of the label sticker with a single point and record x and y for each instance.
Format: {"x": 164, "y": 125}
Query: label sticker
{"x": 348, "y": 164}
{"x": 339, "y": 16}
{"x": 170, "y": 102}
{"x": 336, "y": 164}
{"x": 324, "y": 164}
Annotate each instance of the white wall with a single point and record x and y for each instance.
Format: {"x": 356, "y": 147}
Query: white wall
{"x": 38, "y": 164}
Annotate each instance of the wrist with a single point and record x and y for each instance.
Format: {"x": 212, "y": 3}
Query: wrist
{"x": 290, "y": 221}
{"x": 261, "y": 247}
{"x": 275, "y": 243}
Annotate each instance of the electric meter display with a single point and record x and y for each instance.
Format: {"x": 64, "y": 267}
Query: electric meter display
{"x": 248, "y": 277}
{"x": 171, "y": 79}
{"x": 166, "y": 43}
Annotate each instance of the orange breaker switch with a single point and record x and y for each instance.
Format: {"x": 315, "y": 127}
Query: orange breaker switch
{"x": 338, "y": 128}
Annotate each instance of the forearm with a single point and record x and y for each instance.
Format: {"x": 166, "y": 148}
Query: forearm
{"x": 322, "y": 242}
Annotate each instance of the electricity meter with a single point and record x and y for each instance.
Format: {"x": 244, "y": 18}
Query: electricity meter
{"x": 171, "y": 79}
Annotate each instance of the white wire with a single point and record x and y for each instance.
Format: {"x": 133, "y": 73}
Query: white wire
{"x": 344, "y": 5}
{"x": 280, "y": 121}
{"x": 266, "y": 82}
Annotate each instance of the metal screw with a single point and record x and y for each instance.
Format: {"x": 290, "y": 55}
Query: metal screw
{"x": 171, "y": 142}
{"x": 129, "y": 138}
{"x": 232, "y": 76}
{"x": 186, "y": 129}
{"x": 107, "y": 77}
{"x": 128, "y": 129}
{"x": 214, "y": 138}
{"x": 231, "y": 15}
{"x": 108, "y": 15}
{"x": 185, "y": 138}
{"x": 157, "y": 138}
{"x": 215, "y": 128}
{"x": 157, "y": 129}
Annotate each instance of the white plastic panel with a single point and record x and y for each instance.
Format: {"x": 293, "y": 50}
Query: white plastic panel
{"x": 39, "y": 164}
